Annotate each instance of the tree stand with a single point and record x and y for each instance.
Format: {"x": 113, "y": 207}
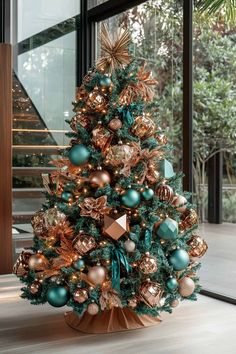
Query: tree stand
{"x": 115, "y": 320}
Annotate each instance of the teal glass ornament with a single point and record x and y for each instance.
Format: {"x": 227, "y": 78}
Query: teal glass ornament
{"x": 58, "y": 296}
{"x": 131, "y": 198}
{"x": 166, "y": 169}
{"x": 79, "y": 264}
{"x": 168, "y": 229}
{"x": 79, "y": 154}
{"x": 179, "y": 259}
{"x": 105, "y": 81}
{"x": 172, "y": 283}
{"x": 148, "y": 193}
{"x": 66, "y": 196}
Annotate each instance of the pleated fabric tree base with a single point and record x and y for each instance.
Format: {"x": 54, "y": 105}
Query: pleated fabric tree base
{"x": 115, "y": 320}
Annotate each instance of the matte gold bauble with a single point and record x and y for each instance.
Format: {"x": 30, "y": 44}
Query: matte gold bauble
{"x": 151, "y": 293}
{"x": 84, "y": 243}
{"x": 34, "y": 287}
{"x": 198, "y": 246}
{"x": 80, "y": 295}
{"x": 148, "y": 264}
{"x": 93, "y": 309}
{"x": 186, "y": 286}
{"x": 115, "y": 124}
{"x": 98, "y": 179}
{"x": 179, "y": 202}
{"x": 164, "y": 193}
{"x": 97, "y": 275}
{"x": 38, "y": 262}
{"x": 143, "y": 126}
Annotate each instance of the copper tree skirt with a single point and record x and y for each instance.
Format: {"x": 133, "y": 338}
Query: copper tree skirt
{"x": 115, "y": 320}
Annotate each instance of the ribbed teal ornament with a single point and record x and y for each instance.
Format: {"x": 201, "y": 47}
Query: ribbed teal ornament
{"x": 148, "y": 193}
{"x": 131, "y": 198}
{"x": 172, "y": 284}
{"x": 79, "y": 264}
{"x": 166, "y": 169}
{"x": 179, "y": 259}
{"x": 168, "y": 229}
{"x": 105, "y": 81}
{"x": 66, "y": 196}
{"x": 79, "y": 154}
{"x": 58, "y": 296}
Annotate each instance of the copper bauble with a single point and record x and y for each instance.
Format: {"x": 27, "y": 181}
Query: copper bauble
{"x": 80, "y": 295}
{"x": 120, "y": 154}
{"x": 42, "y": 220}
{"x": 143, "y": 127}
{"x": 101, "y": 138}
{"x": 84, "y": 243}
{"x": 98, "y": 179}
{"x": 164, "y": 193}
{"x": 189, "y": 219}
{"x": 198, "y": 246}
{"x": 21, "y": 266}
{"x": 115, "y": 124}
{"x": 38, "y": 262}
{"x": 186, "y": 286}
{"x": 97, "y": 101}
{"x": 93, "y": 309}
{"x": 179, "y": 202}
{"x": 132, "y": 303}
{"x": 151, "y": 293}
{"x": 82, "y": 119}
{"x": 38, "y": 223}
{"x": 174, "y": 303}
{"x": 148, "y": 264}
{"x": 97, "y": 275}
{"x": 34, "y": 287}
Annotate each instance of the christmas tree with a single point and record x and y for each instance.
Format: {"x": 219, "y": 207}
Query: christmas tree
{"x": 116, "y": 231}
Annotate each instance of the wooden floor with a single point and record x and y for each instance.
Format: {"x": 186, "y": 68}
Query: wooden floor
{"x": 203, "y": 327}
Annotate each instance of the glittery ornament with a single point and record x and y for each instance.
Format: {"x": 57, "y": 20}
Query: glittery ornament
{"x": 82, "y": 119}
{"x": 115, "y": 124}
{"x": 21, "y": 266}
{"x": 151, "y": 293}
{"x": 198, "y": 246}
{"x": 101, "y": 138}
{"x": 119, "y": 155}
{"x": 34, "y": 287}
{"x": 179, "y": 202}
{"x": 115, "y": 225}
{"x": 189, "y": 219}
{"x": 164, "y": 193}
{"x": 80, "y": 295}
{"x": 148, "y": 264}
{"x": 42, "y": 220}
{"x": 84, "y": 243}
{"x": 143, "y": 127}
{"x": 97, "y": 101}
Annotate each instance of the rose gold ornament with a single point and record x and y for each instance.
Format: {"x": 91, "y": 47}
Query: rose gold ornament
{"x": 93, "y": 309}
{"x": 82, "y": 119}
{"x": 115, "y": 225}
{"x": 84, "y": 243}
{"x": 179, "y": 202}
{"x": 151, "y": 293}
{"x": 198, "y": 246}
{"x": 98, "y": 179}
{"x": 97, "y": 101}
{"x": 164, "y": 193}
{"x": 186, "y": 286}
{"x": 97, "y": 275}
{"x": 80, "y": 295}
{"x": 34, "y": 287}
{"x": 101, "y": 138}
{"x": 143, "y": 127}
{"x": 174, "y": 303}
{"x": 115, "y": 124}
{"x": 38, "y": 262}
{"x": 148, "y": 264}
{"x": 189, "y": 219}
{"x": 21, "y": 266}
{"x": 133, "y": 302}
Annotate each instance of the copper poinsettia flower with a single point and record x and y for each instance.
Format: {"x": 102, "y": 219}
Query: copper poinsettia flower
{"x": 94, "y": 208}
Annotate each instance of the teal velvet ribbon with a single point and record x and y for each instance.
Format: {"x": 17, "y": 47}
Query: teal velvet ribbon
{"x": 127, "y": 114}
{"x": 118, "y": 259}
{"x": 148, "y": 239}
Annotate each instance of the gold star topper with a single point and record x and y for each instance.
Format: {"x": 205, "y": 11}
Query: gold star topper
{"x": 114, "y": 50}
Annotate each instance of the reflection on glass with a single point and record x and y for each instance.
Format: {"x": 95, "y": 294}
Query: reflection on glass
{"x": 156, "y": 29}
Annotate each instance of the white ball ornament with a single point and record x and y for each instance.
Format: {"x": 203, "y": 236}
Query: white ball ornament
{"x": 97, "y": 275}
{"x": 93, "y": 309}
{"x": 129, "y": 245}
